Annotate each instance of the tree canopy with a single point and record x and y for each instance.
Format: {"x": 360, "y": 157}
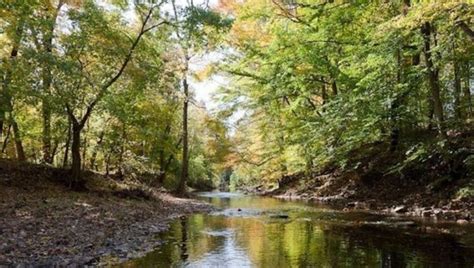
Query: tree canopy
{"x": 107, "y": 86}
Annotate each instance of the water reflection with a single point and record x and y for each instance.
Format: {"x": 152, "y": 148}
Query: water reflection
{"x": 184, "y": 239}
{"x": 311, "y": 237}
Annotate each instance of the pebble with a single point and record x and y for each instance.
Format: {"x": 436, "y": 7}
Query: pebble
{"x": 400, "y": 209}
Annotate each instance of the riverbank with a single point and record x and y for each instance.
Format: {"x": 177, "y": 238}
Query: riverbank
{"x": 436, "y": 187}
{"x": 349, "y": 193}
{"x": 43, "y": 223}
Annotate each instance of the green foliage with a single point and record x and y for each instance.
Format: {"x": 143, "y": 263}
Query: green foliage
{"x": 330, "y": 78}
{"x": 134, "y": 129}
{"x": 313, "y": 83}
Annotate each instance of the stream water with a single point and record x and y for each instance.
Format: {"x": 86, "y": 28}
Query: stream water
{"x": 251, "y": 231}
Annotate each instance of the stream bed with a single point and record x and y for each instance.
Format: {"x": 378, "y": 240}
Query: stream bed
{"x": 253, "y": 231}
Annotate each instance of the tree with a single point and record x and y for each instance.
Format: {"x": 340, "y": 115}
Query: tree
{"x": 18, "y": 14}
{"x": 334, "y": 78}
{"x": 92, "y": 37}
{"x": 196, "y": 28}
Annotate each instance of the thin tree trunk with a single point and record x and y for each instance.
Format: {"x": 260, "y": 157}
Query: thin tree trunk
{"x": 46, "y": 113}
{"x": 433, "y": 78}
{"x": 430, "y": 113}
{"x": 162, "y": 176}
{"x": 47, "y": 78}
{"x": 324, "y": 94}
{"x": 2, "y": 118}
{"x": 54, "y": 150}
{"x": 334, "y": 87}
{"x": 96, "y": 149}
{"x": 399, "y": 97}
{"x": 185, "y": 161}
{"x": 394, "y": 105}
{"x": 122, "y": 151}
{"x": 67, "y": 145}
{"x": 467, "y": 91}
{"x": 5, "y": 141}
{"x": 84, "y": 149}
{"x": 457, "y": 90}
{"x": 20, "y": 152}
{"x": 76, "y": 154}
{"x": 163, "y": 164}
{"x": 164, "y": 170}
{"x": 107, "y": 165}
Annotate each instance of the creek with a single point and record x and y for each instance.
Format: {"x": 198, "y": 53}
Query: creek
{"x": 253, "y": 231}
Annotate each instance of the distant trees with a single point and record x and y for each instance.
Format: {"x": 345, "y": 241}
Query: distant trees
{"x": 196, "y": 28}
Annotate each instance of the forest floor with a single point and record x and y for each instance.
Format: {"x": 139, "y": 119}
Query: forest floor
{"x": 427, "y": 189}
{"x": 43, "y": 223}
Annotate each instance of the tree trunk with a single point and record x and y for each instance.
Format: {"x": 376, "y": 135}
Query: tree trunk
{"x": 47, "y": 78}
{"x": 6, "y": 99}
{"x": 185, "y": 162}
{"x": 76, "y": 154}
{"x": 96, "y": 149}
{"x": 78, "y": 125}
{"x": 122, "y": 151}
{"x": 66, "y": 146}
{"x": 20, "y": 152}
{"x": 162, "y": 176}
{"x": 394, "y": 105}
{"x": 2, "y": 118}
{"x": 46, "y": 112}
{"x": 457, "y": 90}
{"x": 467, "y": 91}
{"x": 430, "y": 113}
{"x": 334, "y": 87}
{"x": 5, "y": 141}
{"x": 324, "y": 94}
{"x": 107, "y": 165}
{"x": 54, "y": 150}
{"x": 84, "y": 149}
{"x": 433, "y": 78}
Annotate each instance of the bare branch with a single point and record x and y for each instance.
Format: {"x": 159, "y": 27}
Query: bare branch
{"x": 466, "y": 29}
{"x": 128, "y": 57}
{"x": 246, "y": 74}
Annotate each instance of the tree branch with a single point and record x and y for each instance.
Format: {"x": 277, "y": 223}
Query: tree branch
{"x": 128, "y": 57}
{"x": 466, "y": 29}
{"x": 245, "y": 74}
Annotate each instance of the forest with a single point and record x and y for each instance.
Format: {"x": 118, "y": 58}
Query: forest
{"x": 366, "y": 105}
{"x": 94, "y": 91}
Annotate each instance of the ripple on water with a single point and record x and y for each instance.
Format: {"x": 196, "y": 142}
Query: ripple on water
{"x": 220, "y": 194}
{"x": 223, "y": 233}
{"x": 232, "y": 212}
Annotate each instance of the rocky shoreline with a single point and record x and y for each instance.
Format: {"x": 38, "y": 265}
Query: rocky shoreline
{"x": 45, "y": 224}
{"x": 457, "y": 211}
{"x": 348, "y": 192}
{"x": 81, "y": 230}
